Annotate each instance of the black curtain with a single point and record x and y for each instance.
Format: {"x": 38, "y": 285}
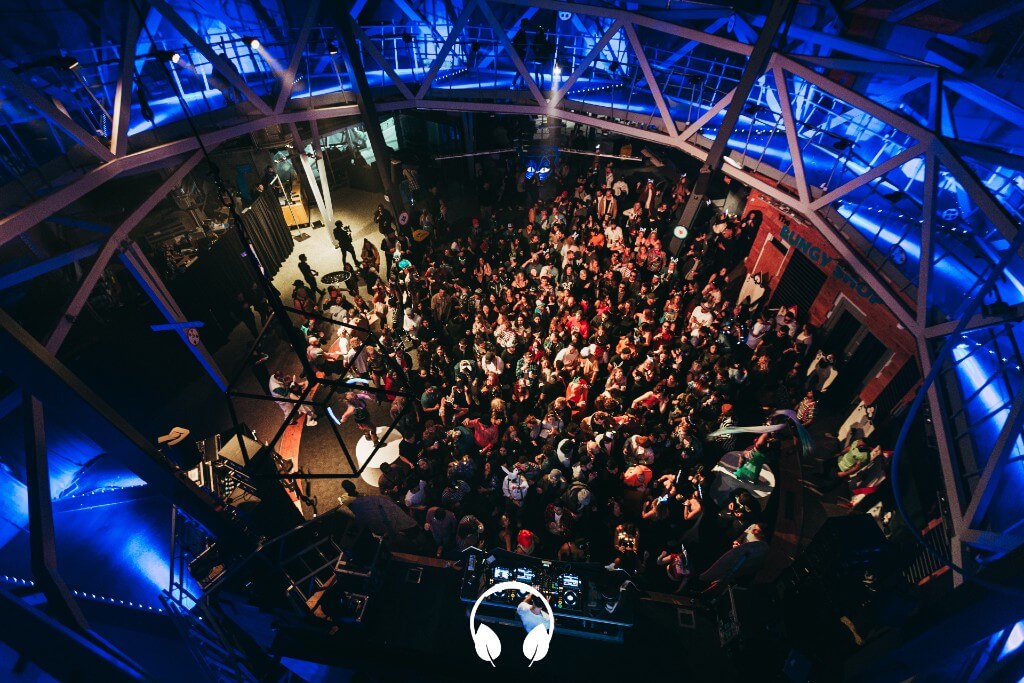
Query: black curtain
{"x": 207, "y": 290}
{"x": 270, "y": 234}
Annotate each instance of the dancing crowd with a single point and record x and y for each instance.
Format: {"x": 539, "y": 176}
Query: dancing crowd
{"x": 576, "y": 381}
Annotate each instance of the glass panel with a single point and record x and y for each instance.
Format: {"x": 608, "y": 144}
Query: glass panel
{"x": 1004, "y": 181}
{"x": 973, "y": 114}
{"x": 883, "y": 221}
{"x": 967, "y": 247}
{"x": 906, "y": 95}
{"x": 838, "y": 141}
{"x": 760, "y": 133}
{"x": 988, "y": 371}
{"x": 692, "y": 76}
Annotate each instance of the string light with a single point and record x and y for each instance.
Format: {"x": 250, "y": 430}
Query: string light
{"x": 86, "y": 596}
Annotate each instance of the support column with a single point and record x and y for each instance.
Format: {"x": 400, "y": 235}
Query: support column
{"x": 325, "y": 183}
{"x": 300, "y": 150}
{"x": 57, "y": 649}
{"x": 756, "y": 65}
{"x": 469, "y": 140}
{"x": 354, "y": 66}
{"x": 42, "y": 543}
{"x": 142, "y": 270}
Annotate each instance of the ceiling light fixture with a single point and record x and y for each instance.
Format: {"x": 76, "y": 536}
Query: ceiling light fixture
{"x": 165, "y": 56}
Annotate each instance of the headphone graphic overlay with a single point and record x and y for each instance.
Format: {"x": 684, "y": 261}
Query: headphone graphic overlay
{"x": 488, "y": 645}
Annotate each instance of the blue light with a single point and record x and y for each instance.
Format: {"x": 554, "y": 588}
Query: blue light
{"x": 543, "y": 169}
{"x": 969, "y": 367}
{"x": 1014, "y": 640}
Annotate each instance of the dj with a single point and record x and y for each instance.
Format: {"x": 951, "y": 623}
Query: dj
{"x": 531, "y": 615}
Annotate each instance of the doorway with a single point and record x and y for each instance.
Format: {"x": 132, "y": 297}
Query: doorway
{"x": 857, "y": 351}
{"x": 839, "y": 335}
{"x": 799, "y": 285}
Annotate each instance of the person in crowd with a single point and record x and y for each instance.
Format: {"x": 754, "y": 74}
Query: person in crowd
{"x": 301, "y": 298}
{"x": 442, "y": 525}
{"x": 287, "y": 389}
{"x": 806, "y": 408}
{"x": 308, "y": 274}
{"x": 343, "y": 236}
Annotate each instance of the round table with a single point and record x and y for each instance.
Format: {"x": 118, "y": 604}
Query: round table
{"x": 336, "y": 277}
{"x": 726, "y": 482}
{"x": 388, "y": 452}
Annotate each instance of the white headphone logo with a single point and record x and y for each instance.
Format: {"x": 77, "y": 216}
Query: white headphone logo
{"x": 535, "y": 645}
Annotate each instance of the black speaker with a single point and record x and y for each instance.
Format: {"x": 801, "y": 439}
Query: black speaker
{"x": 846, "y": 547}
{"x": 831, "y": 571}
{"x": 276, "y": 512}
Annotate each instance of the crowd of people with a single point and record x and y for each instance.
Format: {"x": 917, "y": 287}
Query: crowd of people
{"x": 576, "y": 380}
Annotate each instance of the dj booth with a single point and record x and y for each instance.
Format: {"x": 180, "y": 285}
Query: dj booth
{"x": 588, "y": 600}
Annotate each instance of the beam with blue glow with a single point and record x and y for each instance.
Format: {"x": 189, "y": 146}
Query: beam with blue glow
{"x": 50, "y": 264}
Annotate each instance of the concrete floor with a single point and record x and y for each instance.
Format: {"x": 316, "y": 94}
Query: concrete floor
{"x": 354, "y": 208}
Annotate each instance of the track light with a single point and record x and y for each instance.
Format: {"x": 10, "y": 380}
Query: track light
{"x": 252, "y": 42}
{"x": 332, "y": 48}
{"x": 67, "y": 61}
{"x": 165, "y": 56}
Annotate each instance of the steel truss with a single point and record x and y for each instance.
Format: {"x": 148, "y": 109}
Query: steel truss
{"x": 782, "y": 83}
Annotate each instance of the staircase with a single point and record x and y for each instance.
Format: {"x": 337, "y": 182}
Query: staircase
{"x": 926, "y": 566}
{"x": 208, "y": 644}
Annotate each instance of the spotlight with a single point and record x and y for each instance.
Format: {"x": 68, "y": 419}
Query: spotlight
{"x": 165, "y": 56}
{"x": 614, "y": 66}
{"x": 67, "y": 62}
{"x": 557, "y": 70}
{"x": 842, "y": 144}
{"x": 474, "y": 46}
{"x": 253, "y": 43}
{"x": 406, "y": 37}
{"x": 332, "y": 48}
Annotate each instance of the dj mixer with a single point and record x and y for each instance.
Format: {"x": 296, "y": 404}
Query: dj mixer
{"x": 564, "y": 590}
{"x": 586, "y": 599}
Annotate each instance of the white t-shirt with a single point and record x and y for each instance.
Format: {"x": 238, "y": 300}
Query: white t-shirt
{"x": 496, "y": 365}
{"x": 700, "y": 316}
{"x": 613, "y": 234}
{"x": 530, "y": 619}
{"x": 417, "y": 496}
{"x": 515, "y": 487}
{"x": 569, "y": 356}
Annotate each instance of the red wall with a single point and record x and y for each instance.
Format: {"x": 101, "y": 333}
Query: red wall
{"x": 798, "y": 237}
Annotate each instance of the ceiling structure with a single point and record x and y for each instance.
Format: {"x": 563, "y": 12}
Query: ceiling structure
{"x": 889, "y": 126}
